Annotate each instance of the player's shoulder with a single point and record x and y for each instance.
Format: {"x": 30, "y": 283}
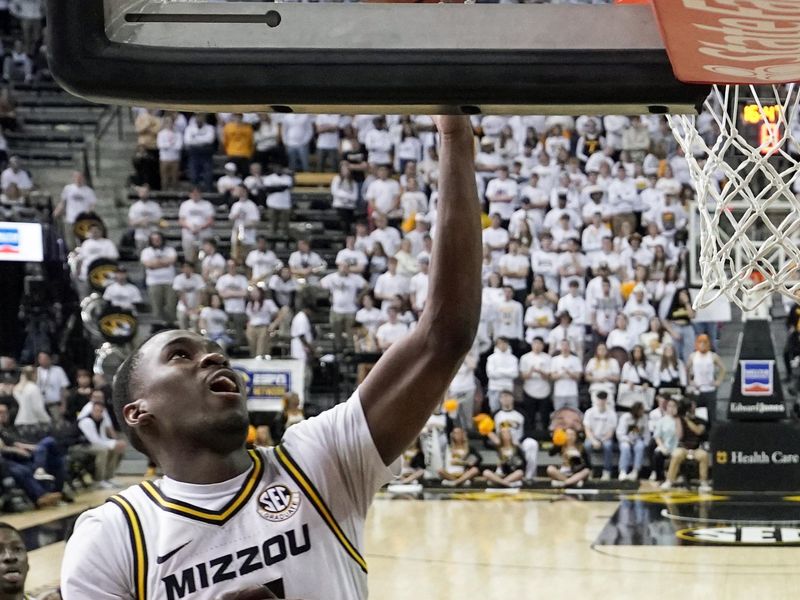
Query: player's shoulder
{"x": 101, "y": 525}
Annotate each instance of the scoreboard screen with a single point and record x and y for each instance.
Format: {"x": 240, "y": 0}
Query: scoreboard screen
{"x": 761, "y": 126}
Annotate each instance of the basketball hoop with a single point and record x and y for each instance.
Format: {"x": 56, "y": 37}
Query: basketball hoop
{"x": 744, "y": 173}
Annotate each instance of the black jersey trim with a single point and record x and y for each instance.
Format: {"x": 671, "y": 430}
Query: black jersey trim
{"x": 213, "y": 517}
{"x": 301, "y": 479}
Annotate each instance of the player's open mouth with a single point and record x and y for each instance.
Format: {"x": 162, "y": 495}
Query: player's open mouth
{"x": 224, "y": 382}
{"x": 12, "y": 576}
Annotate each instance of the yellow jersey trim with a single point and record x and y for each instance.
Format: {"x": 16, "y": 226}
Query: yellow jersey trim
{"x": 137, "y": 544}
{"x": 216, "y": 517}
{"x": 296, "y": 473}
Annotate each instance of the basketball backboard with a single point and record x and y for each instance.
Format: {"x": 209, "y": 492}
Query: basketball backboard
{"x": 365, "y": 57}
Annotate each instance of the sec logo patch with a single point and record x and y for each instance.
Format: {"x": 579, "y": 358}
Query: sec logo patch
{"x": 278, "y": 503}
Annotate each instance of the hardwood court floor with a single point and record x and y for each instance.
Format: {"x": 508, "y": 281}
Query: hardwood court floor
{"x": 523, "y": 546}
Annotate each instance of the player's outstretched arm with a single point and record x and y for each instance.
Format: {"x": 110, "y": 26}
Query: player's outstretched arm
{"x": 402, "y": 390}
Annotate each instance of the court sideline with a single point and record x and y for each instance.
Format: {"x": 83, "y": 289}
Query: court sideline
{"x": 496, "y": 546}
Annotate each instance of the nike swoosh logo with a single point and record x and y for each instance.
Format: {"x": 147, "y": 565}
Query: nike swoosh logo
{"x": 162, "y": 559}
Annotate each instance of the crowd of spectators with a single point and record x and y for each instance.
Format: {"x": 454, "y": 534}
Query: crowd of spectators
{"x": 49, "y": 425}
{"x": 585, "y": 307}
{"x": 584, "y": 266}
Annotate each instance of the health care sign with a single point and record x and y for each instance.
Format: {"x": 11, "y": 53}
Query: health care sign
{"x": 267, "y": 381}
{"x": 732, "y": 41}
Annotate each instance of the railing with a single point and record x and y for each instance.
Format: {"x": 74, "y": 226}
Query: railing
{"x": 110, "y": 116}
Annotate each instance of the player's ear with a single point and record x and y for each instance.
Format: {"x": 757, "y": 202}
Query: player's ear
{"x": 136, "y": 413}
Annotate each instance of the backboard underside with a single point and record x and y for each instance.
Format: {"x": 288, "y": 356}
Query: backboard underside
{"x": 365, "y": 58}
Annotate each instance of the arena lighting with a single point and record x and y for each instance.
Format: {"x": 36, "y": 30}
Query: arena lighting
{"x": 366, "y": 57}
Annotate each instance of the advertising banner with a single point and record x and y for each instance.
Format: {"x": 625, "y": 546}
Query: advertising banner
{"x": 756, "y": 457}
{"x": 268, "y": 380}
{"x": 757, "y": 394}
{"x": 21, "y": 242}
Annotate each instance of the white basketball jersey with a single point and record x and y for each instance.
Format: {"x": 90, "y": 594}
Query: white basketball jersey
{"x": 294, "y": 524}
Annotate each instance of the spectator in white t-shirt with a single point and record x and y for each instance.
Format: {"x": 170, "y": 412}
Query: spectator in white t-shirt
{"x": 94, "y": 247}
{"x": 53, "y": 383}
{"x": 199, "y": 141}
{"x": 170, "y": 144}
{"x": 503, "y": 195}
{"x": 262, "y": 321}
{"x": 121, "y": 292}
{"x": 496, "y": 237}
{"x": 571, "y": 266}
{"x": 633, "y": 436}
{"x": 502, "y": 368}
{"x": 413, "y": 201}
{"x": 389, "y": 285}
{"x": 283, "y": 287}
{"x": 14, "y": 173}
{"x": 188, "y": 287}
{"x": 514, "y": 267}
{"x": 345, "y": 191}
{"x": 262, "y": 261}
{"x": 297, "y": 131}
{"x": 213, "y": 263}
{"x": 565, "y": 373}
{"x": 244, "y": 216}
{"x": 213, "y": 322}
{"x": 388, "y": 237}
{"x": 159, "y": 263}
{"x": 620, "y": 336}
{"x": 76, "y": 198}
{"x": 508, "y": 322}
{"x": 487, "y": 160}
{"x": 463, "y": 387}
{"x": 539, "y": 318}
{"x": 328, "y": 128}
{"x": 278, "y": 187}
{"x": 565, "y": 330}
{"x": 600, "y": 425}
{"x": 639, "y": 312}
{"x": 232, "y": 288}
{"x": 534, "y": 370}
{"x": 575, "y": 304}
{"x": 144, "y": 215}
{"x": 622, "y": 197}
{"x": 418, "y": 286}
{"x": 229, "y": 180}
{"x": 392, "y": 331}
{"x": 383, "y": 197}
{"x": 355, "y": 259}
{"x": 508, "y": 419}
{"x": 196, "y": 217}
{"x": 604, "y": 309}
{"x": 344, "y": 288}
{"x": 306, "y": 264}
{"x": 379, "y": 144}
{"x": 602, "y": 373}
{"x": 95, "y": 425}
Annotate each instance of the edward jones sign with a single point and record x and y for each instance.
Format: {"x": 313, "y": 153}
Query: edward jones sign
{"x": 732, "y": 41}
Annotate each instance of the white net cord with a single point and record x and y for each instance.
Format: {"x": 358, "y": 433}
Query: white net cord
{"x": 746, "y": 253}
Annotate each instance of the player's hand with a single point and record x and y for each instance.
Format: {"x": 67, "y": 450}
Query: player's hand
{"x": 452, "y": 124}
{"x": 254, "y": 592}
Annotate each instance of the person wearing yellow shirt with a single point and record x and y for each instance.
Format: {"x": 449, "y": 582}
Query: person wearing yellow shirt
{"x": 237, "y": 142}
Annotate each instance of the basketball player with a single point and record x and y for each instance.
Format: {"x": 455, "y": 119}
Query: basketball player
{"x": 288, "y": 521}
{"x": 14, "y": 566}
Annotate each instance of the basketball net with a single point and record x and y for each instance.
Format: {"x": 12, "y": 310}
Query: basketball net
{"x": 743, "y": 174}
